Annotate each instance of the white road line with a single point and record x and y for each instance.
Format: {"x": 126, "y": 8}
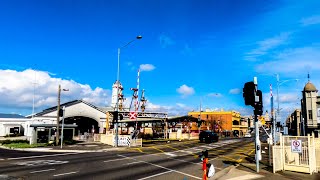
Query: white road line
{"x": 48, "y": 155}
{"x": 134, "y": 162}
{"x": 165, "y": 168}
{"x": 45, "y": 170}
{"x": 65, "y": 173}
{"x": 155, "y": 175}
{"x": 116, "y": 159}
{"x": 247, "y": 177}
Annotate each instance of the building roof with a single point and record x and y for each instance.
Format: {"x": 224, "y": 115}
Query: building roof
{"x": 70, "y": 103}
{"x": 309, "y": 87}
{"x": 3, "y": 115}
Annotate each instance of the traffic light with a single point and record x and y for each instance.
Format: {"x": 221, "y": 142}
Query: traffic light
{"x": 115, "y": 115}
{"x": 248, "y": 93}
{"x": 259, "y": 105}
{"x": 60, "y": 112}
{"x": 120, "y": 116}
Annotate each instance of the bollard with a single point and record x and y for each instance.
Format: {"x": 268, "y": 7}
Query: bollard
{"x": 204, "y": 156}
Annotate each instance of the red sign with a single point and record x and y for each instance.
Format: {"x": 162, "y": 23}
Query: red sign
{"x": 296, "y": 143}
{"x": 133, "y": 115}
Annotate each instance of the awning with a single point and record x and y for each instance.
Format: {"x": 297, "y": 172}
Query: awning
{"x": 54, "y": 125}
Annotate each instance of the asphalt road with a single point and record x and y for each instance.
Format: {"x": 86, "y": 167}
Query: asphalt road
{"x": 165, "y": 161}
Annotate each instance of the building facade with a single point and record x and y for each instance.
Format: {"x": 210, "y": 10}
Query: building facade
{"x": 222, "y": 121}
{"x": 310, "y": 109}
{"x": 293, "y": 122}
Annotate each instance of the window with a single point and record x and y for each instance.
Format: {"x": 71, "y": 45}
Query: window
{"x": 14, "y": 130}
{"x": 207, "y": 116}
{"x": 310, "y": 114}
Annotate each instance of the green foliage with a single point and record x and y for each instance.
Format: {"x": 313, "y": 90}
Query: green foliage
{"x": 8, "y": 141}
{"x": 14, "y": 135}
{"x": 25, "y": 145}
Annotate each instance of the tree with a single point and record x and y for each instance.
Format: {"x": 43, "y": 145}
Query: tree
{"x": 215, "y": 123}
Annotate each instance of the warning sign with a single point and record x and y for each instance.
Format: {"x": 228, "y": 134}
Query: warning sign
{"x": 296, "y": 146}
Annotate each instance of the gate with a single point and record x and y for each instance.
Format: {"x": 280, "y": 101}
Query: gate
{"x": 317, "y": 146}
{"x": 303, "y": 161}
{"x": 277, "y": 158}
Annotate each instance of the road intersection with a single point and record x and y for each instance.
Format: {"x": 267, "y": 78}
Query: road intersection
{"x": 176, "y": 160}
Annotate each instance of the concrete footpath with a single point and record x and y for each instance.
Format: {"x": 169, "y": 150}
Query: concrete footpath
{"x": 246, "y": 171}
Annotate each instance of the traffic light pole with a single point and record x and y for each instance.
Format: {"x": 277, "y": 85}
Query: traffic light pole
{"x": 253, "y": 97}
{"x": 257, "y": 141}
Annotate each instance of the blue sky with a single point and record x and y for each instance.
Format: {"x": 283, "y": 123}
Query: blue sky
{"x": 208, "y": 49}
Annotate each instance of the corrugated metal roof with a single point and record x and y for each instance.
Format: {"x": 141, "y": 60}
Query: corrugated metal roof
{"x": 70, "y": 103}
{"x": 3, "y": 115}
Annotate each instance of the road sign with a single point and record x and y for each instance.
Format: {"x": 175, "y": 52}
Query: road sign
{"x": 296, "y": 146}
{"x": 133, "y": 115}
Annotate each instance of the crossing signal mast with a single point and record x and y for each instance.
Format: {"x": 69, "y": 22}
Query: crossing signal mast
{"x": 253, "y": 97}
{"x": 143, "y": 101}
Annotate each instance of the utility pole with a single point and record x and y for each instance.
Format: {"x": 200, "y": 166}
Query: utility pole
{"x": 58, "y": 117}
{"x": 278, "y": 110}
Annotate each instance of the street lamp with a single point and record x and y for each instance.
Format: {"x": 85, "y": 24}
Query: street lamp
{"x": 278, "y": 109}
{"x": 278, "y": 84}
{"x": 118, "y": 84}
{"x": 58, "y": 116}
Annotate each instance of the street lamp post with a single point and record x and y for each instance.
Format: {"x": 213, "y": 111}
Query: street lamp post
{"x": 278, "y": 108}
{"x": 58, "y": 117}
{"x": 118, "y": 85}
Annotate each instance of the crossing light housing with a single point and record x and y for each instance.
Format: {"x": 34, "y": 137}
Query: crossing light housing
{"x": 259, "y": 105}
{"x": 248, "y": 93}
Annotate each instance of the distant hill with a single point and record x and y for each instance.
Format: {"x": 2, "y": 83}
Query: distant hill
{"x": 2, "y": 115}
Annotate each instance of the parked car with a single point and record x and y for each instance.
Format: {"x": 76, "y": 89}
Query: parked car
{"x": 208, "y": 137}
{"x": 247, "y": 135}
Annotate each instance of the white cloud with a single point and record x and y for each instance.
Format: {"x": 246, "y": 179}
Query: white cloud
{"x": 266, "y": 45}
{"x": 147, "y": 67}
{"x": 235, "y": 91}
{"x": 178, "y": 110}
{"x": 215, "y": 95}
{"x": 16, "y": 90}
{"x": 298, "y": 60}
{"x": 185, "y": 90}
{"x": 310, "y": 20}
{"x": 165, "y": 41}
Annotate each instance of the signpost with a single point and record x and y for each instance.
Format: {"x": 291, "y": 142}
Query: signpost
{"x": 296, "y": 146}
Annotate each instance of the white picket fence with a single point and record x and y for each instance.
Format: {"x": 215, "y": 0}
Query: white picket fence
{"x": 307, "y": 161}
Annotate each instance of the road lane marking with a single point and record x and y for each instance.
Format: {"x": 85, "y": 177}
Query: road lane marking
{"x": 170, "y": 154}
{"x": 248, "y": 176}
{"x": 45, "y": 170}
{"x": 116, "y": 159}
{"x": 134, "y": 162}
{"x": 159, "y": 174}
{"x": 165, "y": 168}
{"x": 157, "y": 149}
{"x": 139, "y": 149}
{"x": 172, "y": 148}
{"x": 40, "y": 162}
{"x": 65, "y": 173}
{"x": 48, "y": 155}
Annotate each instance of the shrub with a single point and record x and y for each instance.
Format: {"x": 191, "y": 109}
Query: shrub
{"x": 8, "y": 141}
